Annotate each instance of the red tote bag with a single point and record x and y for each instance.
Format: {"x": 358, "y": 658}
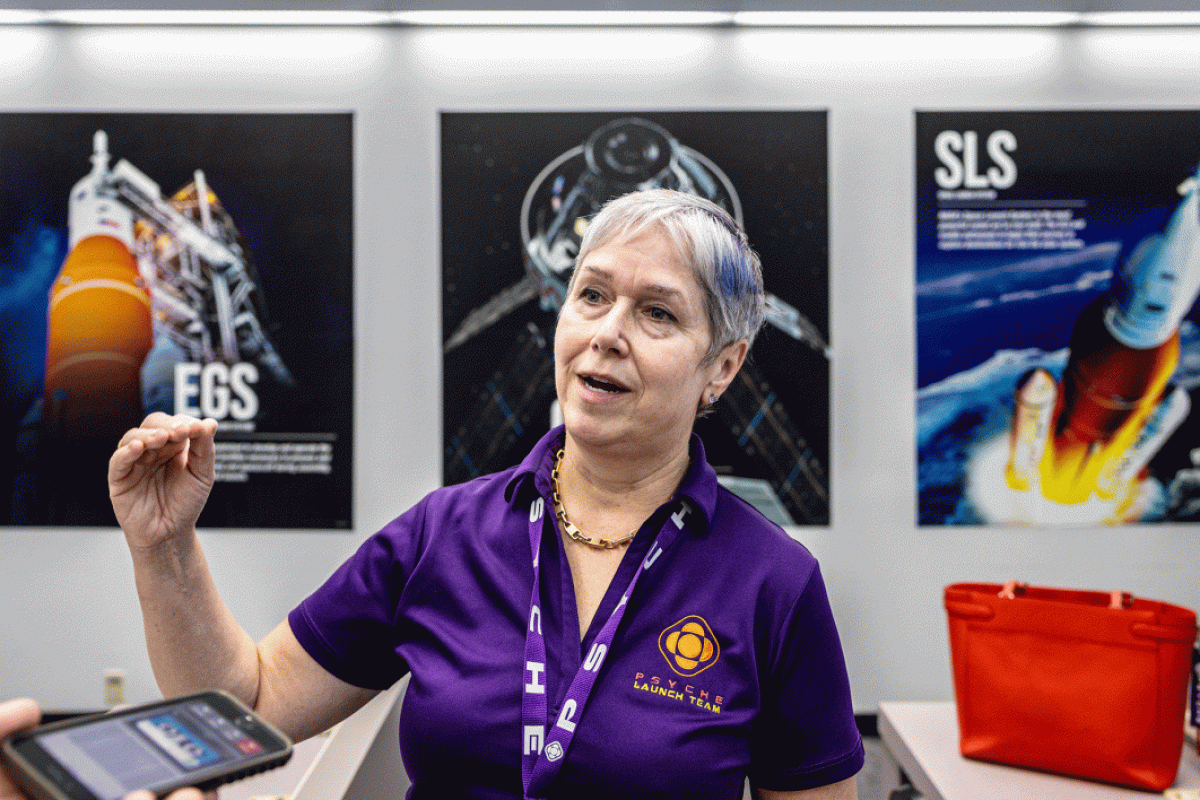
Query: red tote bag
{"x": 1088, "y": 684}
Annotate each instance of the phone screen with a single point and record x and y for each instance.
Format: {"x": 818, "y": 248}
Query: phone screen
{"x": 113, "y": 756}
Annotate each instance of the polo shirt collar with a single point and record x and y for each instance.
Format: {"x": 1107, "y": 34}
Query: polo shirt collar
{"x": 532, "y": 475}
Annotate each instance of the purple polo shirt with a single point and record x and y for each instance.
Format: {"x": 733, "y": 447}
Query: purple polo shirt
{"x": 726, "y": 663}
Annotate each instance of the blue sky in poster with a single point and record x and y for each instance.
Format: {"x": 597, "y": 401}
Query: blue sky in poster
{"x": 1017, "y": 299}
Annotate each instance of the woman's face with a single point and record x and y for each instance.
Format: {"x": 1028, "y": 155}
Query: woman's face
{"x": 629, "y": 346}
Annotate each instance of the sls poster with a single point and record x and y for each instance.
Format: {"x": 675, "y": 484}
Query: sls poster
{"x": 186, "y": 263}
{"x": 1058, "y": 355}
{"x": 517, "y": 189}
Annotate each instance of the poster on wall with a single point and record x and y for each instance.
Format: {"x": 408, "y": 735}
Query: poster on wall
{"x": 517, "y": 191}
{"x": 183, "y": 263}
{"x": 1058, "y": 354}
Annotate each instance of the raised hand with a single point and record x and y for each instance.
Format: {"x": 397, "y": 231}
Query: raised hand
{"x": 160, "y": 476}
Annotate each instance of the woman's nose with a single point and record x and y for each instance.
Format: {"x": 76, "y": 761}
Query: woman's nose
{"x": 611, "y": 334}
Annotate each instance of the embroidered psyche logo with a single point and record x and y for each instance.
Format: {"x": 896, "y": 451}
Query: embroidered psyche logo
{"x": 689, "y": 646}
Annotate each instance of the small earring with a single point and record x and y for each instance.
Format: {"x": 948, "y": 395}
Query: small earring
{"x": 712, "y": 399}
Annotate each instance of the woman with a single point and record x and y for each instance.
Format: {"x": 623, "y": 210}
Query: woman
{"x": 601, "y": 620}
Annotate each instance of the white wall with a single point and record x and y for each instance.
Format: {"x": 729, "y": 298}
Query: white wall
{"x": 68, "y": 605}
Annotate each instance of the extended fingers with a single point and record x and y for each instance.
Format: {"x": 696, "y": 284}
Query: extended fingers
{"x": 201, "y": 436}
{"x": 158, "y": 439}
{"x": 159, "y": 428}
{"x": 181, "y": 426}
{"x": 144, "y": 445}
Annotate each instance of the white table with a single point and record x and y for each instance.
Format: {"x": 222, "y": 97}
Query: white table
{"x": 359, "y": 759}
{"x": 923, "y": 738}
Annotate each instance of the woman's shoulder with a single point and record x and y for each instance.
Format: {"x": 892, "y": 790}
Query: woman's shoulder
{"x": 737, "y": 517}
{"x": 490, "y": 488}
{"x": 457, "y": 508}
{"x": 759, "y": 545}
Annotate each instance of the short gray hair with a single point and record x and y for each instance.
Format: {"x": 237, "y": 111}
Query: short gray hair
{"x": 709, "y": 240}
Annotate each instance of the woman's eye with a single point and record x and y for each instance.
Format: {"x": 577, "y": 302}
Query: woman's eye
{"x": 659, "y": 314}
{"x": 590, "y": 296}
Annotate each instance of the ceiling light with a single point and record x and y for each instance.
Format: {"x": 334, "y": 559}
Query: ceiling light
{"x": 888, "y": 19}
{"x": 282, "y": 17}
{"x": 556, "y": 18}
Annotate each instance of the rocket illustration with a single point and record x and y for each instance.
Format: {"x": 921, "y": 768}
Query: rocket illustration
{"x": 99, "y": 317}
{"x": 1123, "y": 351}
{"x": 1033, "y": 409}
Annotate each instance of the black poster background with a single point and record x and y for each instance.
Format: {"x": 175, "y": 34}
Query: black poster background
{"x": 777, "y": 162}
{"x": 287, "y": 181}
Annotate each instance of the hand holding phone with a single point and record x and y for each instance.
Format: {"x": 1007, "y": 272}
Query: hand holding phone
{"x": 19, "y": 714}
{"x": 15, "y": 715}
{"x": 202, "y": 740}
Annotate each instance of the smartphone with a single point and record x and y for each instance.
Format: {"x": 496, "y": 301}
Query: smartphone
{"x": 202, "y": 740}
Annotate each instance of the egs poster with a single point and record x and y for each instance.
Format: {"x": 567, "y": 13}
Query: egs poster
{"x": 190, "y": 263}
{"x": 1058, "y": 355}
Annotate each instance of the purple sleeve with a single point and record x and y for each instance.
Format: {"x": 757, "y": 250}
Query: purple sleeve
{"x": 806, "y": 735}
{"x": 348, "y": 624}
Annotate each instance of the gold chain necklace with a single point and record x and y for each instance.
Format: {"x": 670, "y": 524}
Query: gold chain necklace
{"x": 569, "y": 527}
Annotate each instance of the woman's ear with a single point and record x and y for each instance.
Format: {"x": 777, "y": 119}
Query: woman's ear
{"x": 724, "y": 369}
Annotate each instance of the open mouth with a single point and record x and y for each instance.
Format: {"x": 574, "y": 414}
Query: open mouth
{"x": 602, "y": 385}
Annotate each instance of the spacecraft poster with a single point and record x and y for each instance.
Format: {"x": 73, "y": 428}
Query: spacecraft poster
{"x": 1058, "y": 355}
{"x": 518, "y": 187}
{"x": 185, "y": 263}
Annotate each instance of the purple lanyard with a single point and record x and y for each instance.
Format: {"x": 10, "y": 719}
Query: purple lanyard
{"x": 541, "y": 752}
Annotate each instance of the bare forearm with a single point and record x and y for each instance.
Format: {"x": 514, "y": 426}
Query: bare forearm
{"x": 193, "y": 640}
{"x": 159, "y": 478}
{"x": 195, "y": 644}
{"x": 842, "y": 790}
